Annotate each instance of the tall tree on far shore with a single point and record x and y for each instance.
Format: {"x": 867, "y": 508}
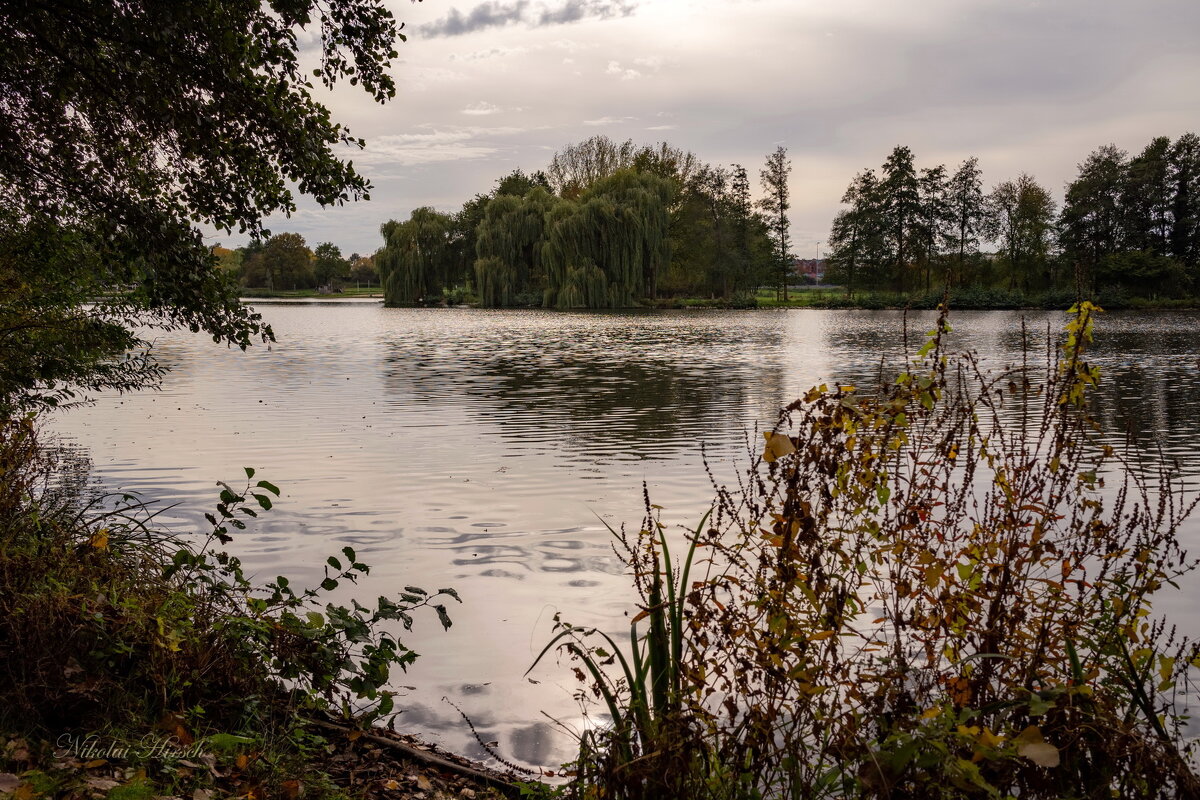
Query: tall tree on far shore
{"x": 741, "y": 216}
{"x": 1146, "y": 197}
{"x": 1185, "y": 204}
{"x": 969, "y": 219}
{"x": 900, "y": 202}
{"x": 856, "y": 238}
{"x": 329, "y": 265}
{"x": 1091, "y": 227}
{"x": 607, "y": 249}
{"x": 508, "y": 249}
{"x": 282, "y": 262}
{"x": 710, "y": 185}
{"x": 774, "y": 180}
{"x": 1025, "y": 214}
{"x": 577, "y": 166}
{"x": 933, "y": 219}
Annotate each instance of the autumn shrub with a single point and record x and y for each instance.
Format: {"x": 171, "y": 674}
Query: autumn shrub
{"x": 111, "y": 627}
{"x": 939, "y": 588}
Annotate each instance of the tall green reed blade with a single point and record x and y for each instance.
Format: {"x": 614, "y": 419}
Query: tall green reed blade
{"x": 657, "y": 644}
{"x": 678, "y": 599}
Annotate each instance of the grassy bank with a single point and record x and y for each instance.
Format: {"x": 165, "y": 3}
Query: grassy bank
{"x": 135, "y": 664}
{"x": 823, "y": 297}
{"x": 965, "y": 299}
{"x": 300, "y": 294}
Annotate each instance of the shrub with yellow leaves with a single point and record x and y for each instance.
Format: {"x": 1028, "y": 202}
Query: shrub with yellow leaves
{"x": 924, "y": 591}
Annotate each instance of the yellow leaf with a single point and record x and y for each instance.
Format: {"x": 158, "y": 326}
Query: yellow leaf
{"x": 930, "y": 713}
{"x": 816, "y": 637}
{"x": 1166, "y": 671}
{"x": 933, "y": 575}
{"x": 99, "y": 539}
{"x": 778, "y": 446}
{"x": 989, "y": 739}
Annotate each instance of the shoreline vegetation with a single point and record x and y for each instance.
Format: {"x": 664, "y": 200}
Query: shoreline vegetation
{"x": 140, "y": 663}
{"x": 815, "y": 297}
{"x": 907, "y": 598}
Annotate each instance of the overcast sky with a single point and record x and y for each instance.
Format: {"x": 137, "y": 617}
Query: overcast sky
{"x": 487, "y": 87}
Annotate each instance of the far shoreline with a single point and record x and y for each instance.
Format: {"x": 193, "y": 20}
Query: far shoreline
{"x": 804, "y": 299}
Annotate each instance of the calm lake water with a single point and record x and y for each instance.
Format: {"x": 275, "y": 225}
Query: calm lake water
{"x": 481, "y": 449}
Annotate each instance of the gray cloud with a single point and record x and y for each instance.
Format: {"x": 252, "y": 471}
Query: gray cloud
{"x": 498, "y": 14}
{"x": 575, "y": 10}
{"x": 492, "y": 14}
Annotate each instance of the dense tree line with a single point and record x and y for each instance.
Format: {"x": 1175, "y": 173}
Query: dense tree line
{"x": 605, "y": 225}
{"x": 284, "y": 261}
{"x": 1128, "y": 224}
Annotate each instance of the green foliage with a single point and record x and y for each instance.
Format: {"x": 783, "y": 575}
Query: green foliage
{"x": 416, "y": 261}
{"x": 608, "y": 225}
{"x": 899, "y": 205}
{"x": 609, "y": 247}
{"x": 775, "y": 205}
{"x": 509, "y": 243}
{"x": 1118, "y": 206}
{"x": 110, "y": 622}
{"x": 1091, "y": 218}
{"x": 283, "y": 262}
{"x": 969, "y": 221}
{"x": 518, "y": 184}
{"x": 1024, "y": 220}
{"x": 126, "y": 124}
{"x": 918, "y": 592}
{"x": 719, "y": 247}
{"x": 50, "y": 347}
{"x": 362, "y": 270}
{"x": 329, "y": 268}
{"x": 1128, "y": 228}
{"x": 857, "y": 256}
{"x": 1142, "y": 272}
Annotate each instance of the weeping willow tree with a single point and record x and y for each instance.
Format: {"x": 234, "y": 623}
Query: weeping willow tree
{"x": 508, "y": 243}
{"x": 416, "y": 260}
{"x": 606, "y": 250}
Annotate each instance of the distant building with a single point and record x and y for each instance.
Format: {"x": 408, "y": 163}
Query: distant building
{"x": 812, "y": 270}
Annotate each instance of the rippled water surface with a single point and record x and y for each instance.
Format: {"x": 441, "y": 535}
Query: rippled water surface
{"x": 481, "y": 450}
